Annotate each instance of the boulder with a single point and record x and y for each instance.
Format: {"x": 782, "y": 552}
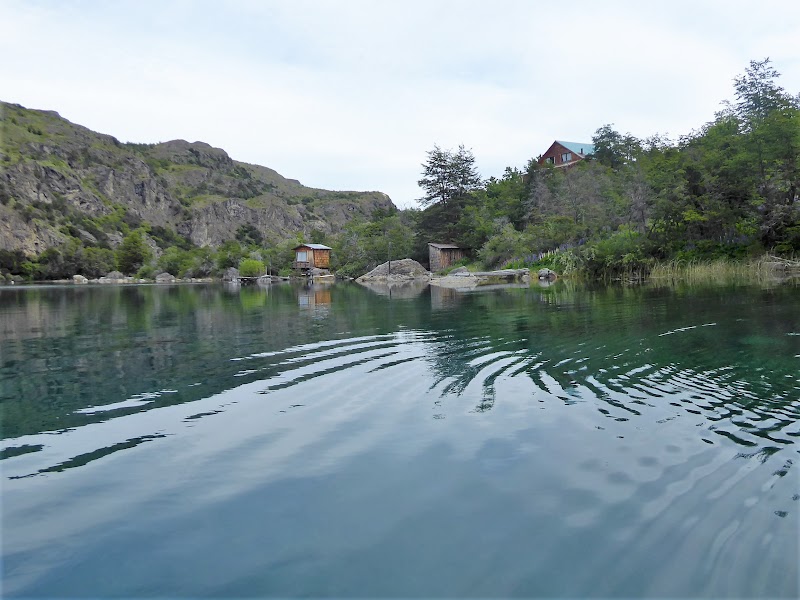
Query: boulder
{"x": 460, "y": 272}
{"x": 79, "y": 279}
{"x": 404, "y": 269}
{"x": 115, "y": 275}
{"x": 165, "y": 278}
{"x": 547, "y": 274}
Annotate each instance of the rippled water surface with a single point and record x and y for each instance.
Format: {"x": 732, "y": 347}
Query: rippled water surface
{"x": 337, "y": 441}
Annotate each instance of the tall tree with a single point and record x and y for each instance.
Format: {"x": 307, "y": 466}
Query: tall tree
{"x": 757, "y": 94}
{"x": 448, "y": 176}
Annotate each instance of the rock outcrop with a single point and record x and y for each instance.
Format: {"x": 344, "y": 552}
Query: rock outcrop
{"x": 61, "y": 181}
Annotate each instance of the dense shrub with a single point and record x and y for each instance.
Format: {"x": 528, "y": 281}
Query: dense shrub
{"x": 250, "y": 267}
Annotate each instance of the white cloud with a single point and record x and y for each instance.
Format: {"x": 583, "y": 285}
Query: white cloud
{"x": 351, "y": 94}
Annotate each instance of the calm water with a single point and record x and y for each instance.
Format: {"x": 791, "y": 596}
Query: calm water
{"x": 337, "y": 441}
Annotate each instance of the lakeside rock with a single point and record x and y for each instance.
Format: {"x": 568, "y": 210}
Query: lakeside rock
{"x": 466, "y": 281}
{"x": 79, "y": 279}
{"x": 405, "y": 269}
{"x": 165, "y": 278}
{"x": 547, "y": 274}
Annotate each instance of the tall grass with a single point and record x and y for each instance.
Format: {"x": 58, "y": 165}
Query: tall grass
{"x": 723, "y": 270}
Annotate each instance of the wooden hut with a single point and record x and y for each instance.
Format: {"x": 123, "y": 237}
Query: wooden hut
{"x": 311, "y": 256}
{"x": 441, "y": 256}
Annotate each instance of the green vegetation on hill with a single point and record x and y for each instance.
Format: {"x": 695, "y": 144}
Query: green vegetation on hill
{"x": 726, "y": 191}
{"x": 74, "y": 201}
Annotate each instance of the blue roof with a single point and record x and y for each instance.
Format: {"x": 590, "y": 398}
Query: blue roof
{"x": 578, "y": 147}
{"x": 313, "y": 247}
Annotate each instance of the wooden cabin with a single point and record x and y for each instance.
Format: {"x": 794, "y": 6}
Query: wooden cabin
{"x": 566, "y": 154}
{"x": 312, "y": 256}
{"x": 441, "y": 256}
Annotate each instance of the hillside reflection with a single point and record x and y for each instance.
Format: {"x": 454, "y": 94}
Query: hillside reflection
{"x": 729, "y": 356}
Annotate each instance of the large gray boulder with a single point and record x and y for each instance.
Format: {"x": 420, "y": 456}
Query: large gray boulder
{"x": 79, "y": 279}
{"x": 115, "y": 275}
{"x": 404, "y": 269}
{"x": 165, "y": 278}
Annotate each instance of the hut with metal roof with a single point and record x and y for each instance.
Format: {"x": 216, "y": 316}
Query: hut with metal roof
{"x": 566, "y": 154}
{"x": 312, "y": 256}
{"x": 441, "y": 256}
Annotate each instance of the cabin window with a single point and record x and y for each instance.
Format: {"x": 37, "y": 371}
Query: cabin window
{"x": 549, "y": 160}
{"x": 566, "y": 157}
{"x": 302, "y": 256}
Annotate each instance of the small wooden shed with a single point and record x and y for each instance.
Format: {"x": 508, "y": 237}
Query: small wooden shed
{"x": 442, "y": 256}
{"x": 312, "y": 256}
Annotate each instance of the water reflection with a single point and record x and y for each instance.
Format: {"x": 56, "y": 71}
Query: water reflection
{"x": 646, "y": 436}
{"x": 397, "y": 290}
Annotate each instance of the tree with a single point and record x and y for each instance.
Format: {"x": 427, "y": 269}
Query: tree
{"x": 448, "y": 176}
{"x": 757, "y": 94}
{"x": 133, "y": 253}
{"x": 613, "y": 149}
{"x": 175, "y": 261}
{"x": 365, "y": 244}
{"x": 608, "y": 146}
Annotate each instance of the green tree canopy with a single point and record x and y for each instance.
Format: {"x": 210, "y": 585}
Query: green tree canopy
{"x": 133, "y": 253}
{"x": 448, "y": 176}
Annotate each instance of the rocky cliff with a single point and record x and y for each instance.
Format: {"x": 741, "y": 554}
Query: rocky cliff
{"x": 60, "y": 181}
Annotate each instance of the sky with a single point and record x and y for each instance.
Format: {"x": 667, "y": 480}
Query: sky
{"x": 352, "y": 94}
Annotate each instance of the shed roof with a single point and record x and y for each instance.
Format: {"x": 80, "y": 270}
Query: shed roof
{"x": 313, "y": 247}
{"x": 444, "y": 246}
{"x": 578, "y": 147}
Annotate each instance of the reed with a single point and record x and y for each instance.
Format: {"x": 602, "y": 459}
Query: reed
{"x": 722, "y": 270}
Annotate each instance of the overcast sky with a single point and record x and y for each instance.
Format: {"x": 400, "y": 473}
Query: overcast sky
{"x": 350, "y": 95}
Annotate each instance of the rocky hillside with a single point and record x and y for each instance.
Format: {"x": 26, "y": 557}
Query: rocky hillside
{"x": 61, "y": 181}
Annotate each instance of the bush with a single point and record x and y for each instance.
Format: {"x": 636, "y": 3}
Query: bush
{"x": 250, "y": 267}
{"x": 621, "y": 255}
{"x": 504, "y": 246}
{"x": 175, "y": 261}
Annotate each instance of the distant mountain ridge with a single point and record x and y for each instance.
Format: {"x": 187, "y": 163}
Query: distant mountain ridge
{"x": 62, "y": 180}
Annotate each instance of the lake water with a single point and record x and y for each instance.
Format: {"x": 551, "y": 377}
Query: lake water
{"x": 336, "y": 441}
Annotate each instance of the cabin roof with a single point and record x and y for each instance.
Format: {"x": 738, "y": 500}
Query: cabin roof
{"x": 444, "y": 246}
{"x": 578, "y": 147}
{"x": 313, "y": 247}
